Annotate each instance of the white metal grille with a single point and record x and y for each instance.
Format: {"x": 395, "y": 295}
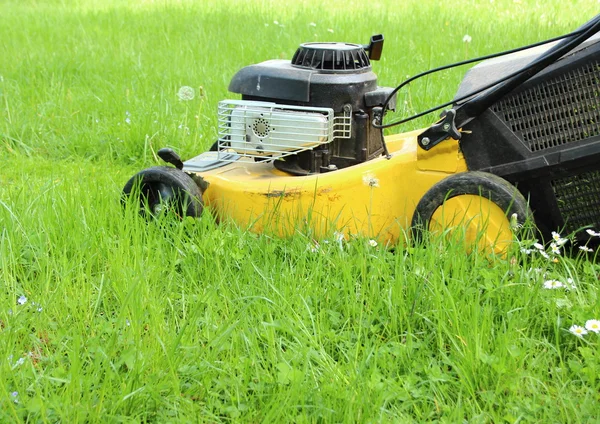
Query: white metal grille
{"x": 269, "y": 131}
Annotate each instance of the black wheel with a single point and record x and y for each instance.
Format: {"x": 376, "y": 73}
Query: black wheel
{"x": 161, "y": 188}
{"x": 482, "y": 184}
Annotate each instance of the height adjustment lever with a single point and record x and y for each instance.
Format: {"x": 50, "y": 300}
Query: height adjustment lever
{"x": 440, "y": 131}
{"x": 169, "y": 156}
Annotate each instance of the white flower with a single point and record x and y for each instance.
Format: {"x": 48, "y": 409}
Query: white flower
{"x": 539, "y": 246}
{"x": 312, "y": 24}
{"x": 467, "y": 38}
{"x": 372, "y": 243}
{"x": 593, "y": 325}
{"x": 330, "y": 30}
{"x": 554, "y": 248}
{"x": 186, "y": 93}
{"x": 553, "y": 284}
{"x": 276, "y": 22}
{"x": 586, "y": 249}
{"x": 22, "y": 300}
{"x": 558, "y": 239}
{"x": 592, "y": 233}
{"x": 578, "y": 331}
{"x": 526, "y": 251}
{"x": 370, "y": 180}
{"x": 571, "y": 284}
{"x": 544, "y": 254}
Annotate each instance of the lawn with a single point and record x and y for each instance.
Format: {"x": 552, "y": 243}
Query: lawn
{"x": 105, "y": 317}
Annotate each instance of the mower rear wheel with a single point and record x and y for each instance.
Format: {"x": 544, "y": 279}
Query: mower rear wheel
{"x": 163, "y": 188}
{"x": 480, "y": 203}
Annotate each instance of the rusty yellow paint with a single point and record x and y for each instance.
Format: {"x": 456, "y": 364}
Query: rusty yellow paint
{"x": 375, "y": 199}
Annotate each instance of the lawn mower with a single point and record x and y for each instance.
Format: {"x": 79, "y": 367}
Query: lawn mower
{"x": 305, "y": 146}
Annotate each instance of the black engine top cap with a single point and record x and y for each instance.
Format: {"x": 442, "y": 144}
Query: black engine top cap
{"x": 332, "y": 46}
{"x": 332, "y": 57}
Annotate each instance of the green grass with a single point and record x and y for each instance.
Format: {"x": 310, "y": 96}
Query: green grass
{"x": 192, "y": 321}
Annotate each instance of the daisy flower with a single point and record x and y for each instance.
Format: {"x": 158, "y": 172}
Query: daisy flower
{"x": 553, "y": 284}
{"x": 578, "y": 331}
{"x": 586, "y": 249}
{"x": 558, "y": 239}
{"x": 593, "y": 325}
{"x": 592, "y": 233}
{"x": 372, "y": 243}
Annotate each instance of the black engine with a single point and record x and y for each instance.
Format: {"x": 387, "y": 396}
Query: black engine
{"x": 335, "y": 76}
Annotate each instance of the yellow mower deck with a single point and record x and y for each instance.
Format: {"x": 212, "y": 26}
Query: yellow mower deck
{"x": 375, "y": 199}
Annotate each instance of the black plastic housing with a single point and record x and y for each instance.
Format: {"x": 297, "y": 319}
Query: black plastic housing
{"x": 544, "y": 137}
{"x": 331, "y": 75}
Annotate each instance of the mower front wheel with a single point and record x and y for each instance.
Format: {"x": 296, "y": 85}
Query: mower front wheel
{"x": 163, "y": 188}
{"x": 482, "y": 204}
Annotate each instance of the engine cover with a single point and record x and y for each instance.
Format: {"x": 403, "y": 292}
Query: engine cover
{"x": 335, "y": 76}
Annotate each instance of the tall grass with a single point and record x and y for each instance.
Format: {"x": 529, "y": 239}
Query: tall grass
{"x": 107, "y": 318}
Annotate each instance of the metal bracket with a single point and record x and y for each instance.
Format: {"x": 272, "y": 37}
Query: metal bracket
{"x": 440, "y": 131}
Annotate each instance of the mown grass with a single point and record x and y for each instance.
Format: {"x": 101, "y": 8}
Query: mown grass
{"x": 169, "y": 321}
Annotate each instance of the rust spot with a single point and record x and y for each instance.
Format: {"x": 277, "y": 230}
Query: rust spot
{"x": 285, "y": 194}
{"x": 332, "y": 196}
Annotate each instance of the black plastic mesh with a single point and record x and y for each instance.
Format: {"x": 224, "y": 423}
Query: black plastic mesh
{"x": 556, "y": 112}
{"x": 578, "y": 198}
